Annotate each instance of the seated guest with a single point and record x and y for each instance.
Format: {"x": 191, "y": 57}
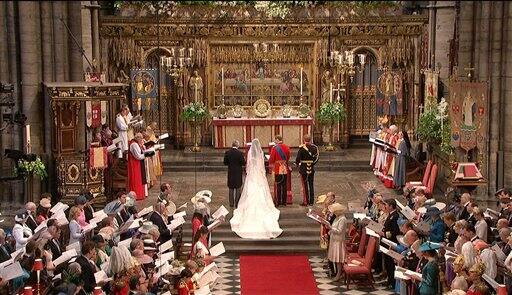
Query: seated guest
{"x": 429, "y": 281}
{"x": 437, "y": 229}
{"x": 159, "y": 219}
{"x": 468, "y": 250}
{"x": 185, "y": 286}
{"x": 76, "y": 233}
{"x": 88, "y": 266}
{"x": 80, "y": 202}
{"x": 30, "y": 209}
{"x": 502, "y": 241}
{"x": 465, "y": 199}
{"x": 459, "y": 227}
{"x": 88, "y": 209}
{"x": 480, "y": 225}
{"x": 451, "y": 234}
{"x": 337, "y": 250}
{"x": 487, "y": 256}
{"x": 21, "y": 231}
{"x": 200, "y": 246}
{"x": 53, "y": 244}
{"x": 4, "y": 253}
{"x": 43, "y": 210}
{"x": 478, "y": 286}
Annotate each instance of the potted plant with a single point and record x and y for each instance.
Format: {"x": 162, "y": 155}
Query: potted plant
{"x": 195, "y": 113}
{"x": 31, "y": 168}
{"x": 329, "y": 114}
{"x": 434, "y": 127}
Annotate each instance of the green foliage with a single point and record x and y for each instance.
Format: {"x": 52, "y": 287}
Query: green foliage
{"x": 432, "y": 131}
{"x": 331, "y": 113}
{"x": 195, "y": 112}
{"x": 26, "y": 168}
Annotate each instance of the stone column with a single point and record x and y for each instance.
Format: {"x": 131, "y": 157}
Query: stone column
{"x": 76, "y": 71}
{"x": 60, "y": 36}
{"x": 95, "y": 32}
{"x": 86, "y": 33}
{"x": 4, "y": 61}
{"x": 507, "y": 94}
{"x": 31, "y": 77}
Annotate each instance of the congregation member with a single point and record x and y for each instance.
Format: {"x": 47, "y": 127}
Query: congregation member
{"x": 337, "y": 249}
{"x": 43, "y": 210}
{"x": 390, "y": 231}
{"x": 31, "y": 222}
{"x": 21, "y": 231}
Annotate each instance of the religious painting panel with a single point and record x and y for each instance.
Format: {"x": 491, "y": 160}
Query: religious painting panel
{"x": 390, "y": 94}
{"x": 144, "y": 84}
{"x": 245, "y": 73}
{"x": 469, "y": 114}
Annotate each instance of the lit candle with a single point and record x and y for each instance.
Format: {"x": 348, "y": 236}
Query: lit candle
{"x": 181, "y": 62}
{"x": 338, "y": 92}
{"x": 27, "y": 134}
{"x": 300, "y": 80}
{"x": 169, "y": 61}
{"x": 222, "y": 79}
{"x": 331, "y": 93}
{"x": 339, "y": 59}
{"x": 182, "y": 51}
{"x": 190, "y": 52}
{"x": 172, "y": 51}
{"x": 163, "y": 60}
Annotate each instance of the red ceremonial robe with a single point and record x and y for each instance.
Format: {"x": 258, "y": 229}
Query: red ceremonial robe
{"x": 136, "y": 172}
{"x": 274, "y": 156}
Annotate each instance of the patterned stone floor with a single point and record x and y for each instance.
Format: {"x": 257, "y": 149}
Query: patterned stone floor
{"x": 229, "y": 270}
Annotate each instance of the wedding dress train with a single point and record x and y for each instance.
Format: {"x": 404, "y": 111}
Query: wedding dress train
{"x": 256, "y": 216}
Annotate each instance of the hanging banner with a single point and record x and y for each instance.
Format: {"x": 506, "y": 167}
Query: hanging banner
{"x": 95, "y": 113}
{"x": 469, "y": 114}
{"x": 431, "y": 83}
{"x": 144, "y": 84}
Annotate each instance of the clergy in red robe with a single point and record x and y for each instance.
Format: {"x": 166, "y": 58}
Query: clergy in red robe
{"x": 137, "y": 180}
{"x": 278, "y": 163}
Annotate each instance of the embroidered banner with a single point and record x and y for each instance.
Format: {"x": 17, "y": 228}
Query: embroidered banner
{"x": 469, "y": 114}
{"x": 431, "y": 82}
{"x": 144, "y": 84}
{"x": 95, "y": 113}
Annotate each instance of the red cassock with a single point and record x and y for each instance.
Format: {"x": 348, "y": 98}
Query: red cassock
{"x": 277, "y": 163}
{"x": 136, "y": 171}
{"x": 389, "y": 156}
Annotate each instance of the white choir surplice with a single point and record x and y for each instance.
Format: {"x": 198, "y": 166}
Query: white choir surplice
{"x": 122, "y": 131}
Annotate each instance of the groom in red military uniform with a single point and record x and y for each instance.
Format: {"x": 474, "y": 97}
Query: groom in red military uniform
{"x": 278, "y": 162}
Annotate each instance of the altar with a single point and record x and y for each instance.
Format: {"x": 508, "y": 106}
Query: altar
{"x": 245, "y": 130}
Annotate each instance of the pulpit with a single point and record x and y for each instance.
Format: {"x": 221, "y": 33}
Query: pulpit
{"x": 75, "y": 106}
{"x": 246, "y": 129}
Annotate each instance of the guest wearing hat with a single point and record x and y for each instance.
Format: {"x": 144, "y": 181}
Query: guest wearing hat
{"x": 43, "y": 210}
{"x": 437, "y": 228}
{"x": 337, "y": 251}
{"x": 80, "y": 202}
{"x": 487, "y": 256}
{"x": 325, "y": 201}
{"x": 201, "y": 214}
{"x": 21, "y": 232}
{"x": 429, "y": 281}
{"x": 390, "y": 231}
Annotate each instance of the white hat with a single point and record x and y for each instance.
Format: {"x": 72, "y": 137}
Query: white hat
{"x": 431, "y": 203}
{"x": 202, "y": 196}
{"x": 146, "y": 227}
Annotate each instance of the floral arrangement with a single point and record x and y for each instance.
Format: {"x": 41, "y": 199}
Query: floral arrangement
{"x": 195, "y": 112}
{"x": 36, "y": 167}
{"x": 331, "y": 113}
{"x": 434, "y": 126}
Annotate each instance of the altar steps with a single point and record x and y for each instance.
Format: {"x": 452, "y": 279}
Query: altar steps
{"x": 211, "y": 160}
{"x": 300, "y": 234}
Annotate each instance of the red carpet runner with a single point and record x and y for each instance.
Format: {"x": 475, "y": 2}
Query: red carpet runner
{"x": 290, "y": 274}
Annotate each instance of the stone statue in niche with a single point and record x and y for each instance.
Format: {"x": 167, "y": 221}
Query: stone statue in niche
{"x": 327, "y": 79}
{"x": 195, "y": 87}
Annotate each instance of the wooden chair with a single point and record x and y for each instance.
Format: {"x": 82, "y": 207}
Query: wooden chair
{"x": 364, "y": 268}
{"x": 426, "y": 177}
{"x": 429, "y": 189}
{"x": 361, "y": 247}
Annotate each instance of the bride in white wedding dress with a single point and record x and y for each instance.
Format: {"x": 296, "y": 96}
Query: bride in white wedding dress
{"x": 256, "y": 216}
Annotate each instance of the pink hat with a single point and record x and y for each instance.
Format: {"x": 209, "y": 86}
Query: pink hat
{"x": 480, "y": 245}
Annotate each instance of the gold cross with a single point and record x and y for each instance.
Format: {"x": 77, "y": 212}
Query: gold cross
{"x": 470, "y": 70}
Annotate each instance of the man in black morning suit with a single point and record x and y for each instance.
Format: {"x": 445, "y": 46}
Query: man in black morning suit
{"x": 86, "y": 261}
{"x": 307, "y": 156}
{"x": 390, "y": 231}
{"x": 235, "y": 161}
